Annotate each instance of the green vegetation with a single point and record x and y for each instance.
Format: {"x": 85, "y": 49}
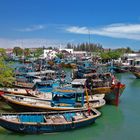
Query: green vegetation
{"x": 6, "y": 74}
{"x": 38, "y": 52}
{"x": 60, "y": 55}
{"x": 110, "y": 55}
{"x": 90, "y": 47}
{"x": 114, "y": 54}
{"x": 18, "y": 51}
{"x": 3, "y": 53}
{"x": 27, "y": 52}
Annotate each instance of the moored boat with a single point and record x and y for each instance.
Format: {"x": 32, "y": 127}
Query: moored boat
{"x": 98, "y": 86}
{"x": 121, "y": 69}
{"x": 32, "y": 123}
{"x": 48, "y": 95}
{"x": 24, "y": 84}
{"x": 17, "y": 91}
{"x": 59, "y": 102}
{"x": 137, "y": 74}
{"x": 116, "y": 91}
{"x": 136, "y": 71}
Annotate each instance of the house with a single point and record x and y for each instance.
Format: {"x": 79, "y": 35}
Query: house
{"x": 131, "y": 59}
{"x": 50, "y": 53}
{"x": 70, "y": 51}
{"x": 79, "y": 54}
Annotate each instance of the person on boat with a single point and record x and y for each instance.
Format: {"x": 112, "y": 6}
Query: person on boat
{"x": 113, "y": 79}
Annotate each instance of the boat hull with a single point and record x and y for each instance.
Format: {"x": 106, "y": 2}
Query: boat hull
{"x": 120, "y": 70}
{"x": 110, "y": 93}
{"x": 137, "y": 74}
{"x": 46, "y": 127}
{"x": 111, "y": 98}
{"x": 33, "y": 129}
{"x": 26, "y": 107}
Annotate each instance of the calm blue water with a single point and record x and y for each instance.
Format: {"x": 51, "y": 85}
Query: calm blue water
{"x": 116, "y": 123}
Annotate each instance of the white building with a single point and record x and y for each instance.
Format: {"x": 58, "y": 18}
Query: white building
{"x": 50, "y": 54}
{"x": 80, "y": 53}
{"x": 131, "y": 59}
{"x": 68, "y": 50}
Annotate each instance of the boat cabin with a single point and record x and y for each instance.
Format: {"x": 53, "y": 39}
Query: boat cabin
{"x": 68, "y": 97}
{"x": 78, "y": 83}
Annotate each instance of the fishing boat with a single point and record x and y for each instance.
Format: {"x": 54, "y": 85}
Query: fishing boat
{"x": 98, "y": 86}
{"x": 121, "y": 69}
{"x": 47, "y": 122}
{"x": 91, "y": 97}
{"x": 21, "y": 84}
{"x": 137, "y": 74}
{"x": 60, "y": 102}
{"x": 17, "y": 91}
{"x": 48, "y": 83}
{"x": 135, "y": 71}
{"x": 48, "y": 95}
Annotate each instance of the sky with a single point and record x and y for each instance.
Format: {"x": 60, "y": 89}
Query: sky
{"x": 37, "y": 23}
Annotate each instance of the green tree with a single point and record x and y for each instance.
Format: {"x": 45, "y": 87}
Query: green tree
{"x": 6, "y": 74}
{"x": 18, "y": 51}
{"x": 3, "y": 53}
{"x": 60, "y": 55}
{"x": 38, "y": 52}
{"x": 105, "y": 56}
{"x": 112, "y": 54}
{"x": 128, "y": 50}
{"x": 27, "y": 52}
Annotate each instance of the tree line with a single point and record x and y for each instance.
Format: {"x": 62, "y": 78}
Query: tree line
{"x": 90, "y": 47}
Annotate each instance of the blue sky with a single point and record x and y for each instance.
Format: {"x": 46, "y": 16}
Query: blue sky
{"x": 33, "y": 23}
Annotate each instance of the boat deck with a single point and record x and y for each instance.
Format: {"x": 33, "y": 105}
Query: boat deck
{"x": 48, "y": 119}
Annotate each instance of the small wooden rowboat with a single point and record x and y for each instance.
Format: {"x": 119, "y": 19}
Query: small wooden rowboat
{"x": 37, "y": 122}
{"x": 24, "y": 103}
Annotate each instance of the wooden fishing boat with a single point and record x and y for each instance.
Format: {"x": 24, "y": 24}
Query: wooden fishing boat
{"x": 17, "y": 91}
{"x": 40, "y": 95}
{"x": 116, "y": 91}
{"x": 48, "y": 95}
{"x": 59, "y": 102}
{"x": 37, "y": 122}
{"x": 24, "y": 84}
{"x": 120, "y": 69}
{"x": 135, "y": 70}
{"x": 91, "y": 97}
{"x": 98, "y": 87}
{"x": 137, "y": 74}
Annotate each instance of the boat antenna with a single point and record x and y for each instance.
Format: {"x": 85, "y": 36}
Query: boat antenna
{"x": 89, "y": 36}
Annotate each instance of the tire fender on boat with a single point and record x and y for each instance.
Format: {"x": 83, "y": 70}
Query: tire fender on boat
{"x": 21, "y": 127}
{"x": 38, "y": 127}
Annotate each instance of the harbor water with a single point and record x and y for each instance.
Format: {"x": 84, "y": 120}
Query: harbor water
{"x": 116, "y": 123}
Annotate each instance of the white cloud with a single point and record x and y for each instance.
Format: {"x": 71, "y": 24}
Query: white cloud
{"x": 126, "y": 31}
{"x": 31, "y": 28}
{"x": 31, "y": 43}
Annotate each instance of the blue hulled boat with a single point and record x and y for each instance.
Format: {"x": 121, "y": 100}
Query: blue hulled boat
{"x": 32, "y": 123}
